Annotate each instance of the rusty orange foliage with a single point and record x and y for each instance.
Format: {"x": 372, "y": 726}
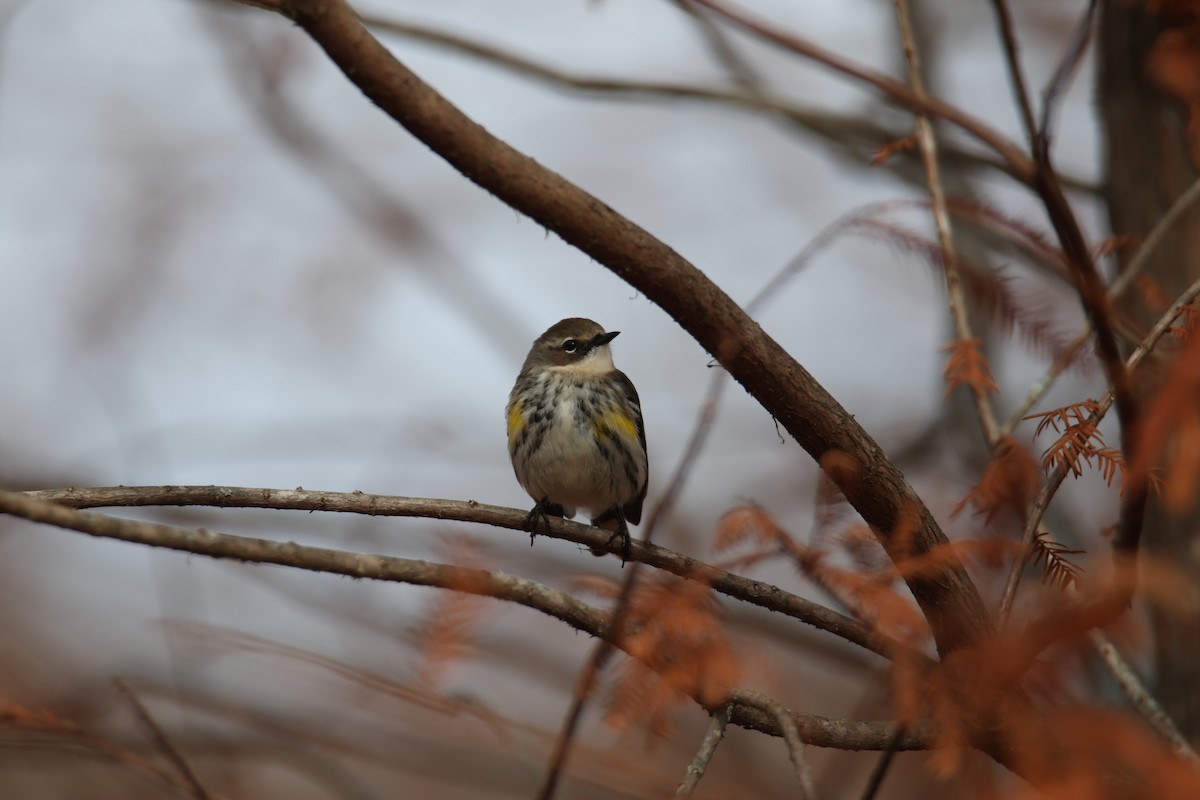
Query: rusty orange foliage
{"x": 1010, "y": 481}
{"x": 951, "y": 555}
{"x": 1170, "y": 431}
{"x": 1111, "y": 756}
{"x": 746, "y": 523}
{"x": 839, "y": 466}
{"x": 873, "y": 599}
{"x": 1079, "y": 442}
{"x": 39, "y": 718}
{"x": 678, "y": 649}
{"x": 885, "y": 153}
{"x": 1113, "y": 244}
{"x": 445, "y": 633}
{"x": 1151, "y": 291}
{"x": 967, "y": 366}
{"x": 830, "y": 509}
{"x": 863, "y": 548}
{"x": 1186, "y": 322}
{"x": 1057, "y": 569}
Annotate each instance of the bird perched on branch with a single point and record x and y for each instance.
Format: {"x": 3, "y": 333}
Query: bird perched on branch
{"x": 575, "y": 432}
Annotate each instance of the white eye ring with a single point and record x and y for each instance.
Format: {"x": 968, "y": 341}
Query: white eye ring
{"x": 570, "y": 346}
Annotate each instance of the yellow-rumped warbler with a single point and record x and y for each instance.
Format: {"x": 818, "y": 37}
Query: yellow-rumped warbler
{"x": 575, "y": 431}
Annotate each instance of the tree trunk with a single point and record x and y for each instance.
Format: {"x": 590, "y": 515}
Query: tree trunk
{"x": 1149, "y": 166}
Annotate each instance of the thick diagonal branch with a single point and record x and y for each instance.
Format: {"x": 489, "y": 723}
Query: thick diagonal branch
{"x": 872, "y": 484}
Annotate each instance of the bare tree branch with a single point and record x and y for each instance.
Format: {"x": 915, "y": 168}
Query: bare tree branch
{"x": 818, "y": 731}
{"x": 1016, "y": 76}
{"x": 757, "y": 593}
{"x": 941, "y": 219}
{"x": 1021, "y": 166}
{"x": 787, "y": 391}
{"x": 708, "y": 747}
{"x": 1140, "y": 696}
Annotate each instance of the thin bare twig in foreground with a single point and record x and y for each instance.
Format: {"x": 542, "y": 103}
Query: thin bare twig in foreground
{"x": 708, "y": 746}
{"x": 164, "y": 742}
{"x": 941, "y": 218}
{"x": 795, "y": 744}
{"x": 1140, "y": 696}
{"x": 882, "y": 766}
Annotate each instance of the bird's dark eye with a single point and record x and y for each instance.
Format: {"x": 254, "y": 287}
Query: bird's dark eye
{"x": 570, "y": 346}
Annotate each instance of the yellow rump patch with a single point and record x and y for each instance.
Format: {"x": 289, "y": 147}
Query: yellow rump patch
{"x": 516, "y": 422}
{"x": 616, "y": 421}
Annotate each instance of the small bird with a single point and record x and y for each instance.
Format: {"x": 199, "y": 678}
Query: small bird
{"x": 575, "y": 432}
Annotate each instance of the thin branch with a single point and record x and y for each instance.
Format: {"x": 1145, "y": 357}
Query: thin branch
{"x": 1015, "y": 75}
{"x": 1155, "y": 237}
{"x": 941, "y": 219}
{"x": 1063, "y": 73}
{"x": 164, "y": 742}
{"x": 882, "y": 766}
{"x": 1140, "y": 696}
{"x": 836, "y": 129}
{"x": 708, "y": 747}
{"x": 1094, "y": 299}
{"x": 895, "y": 91}
{"x": 818, "y": 731}
{"x": 1132, "y": 269}
{"x": 725, "y": 51}
{"x": 791, "y": 735}
{"x": 757, "y": 593}
{"x": 1034, "y": 519}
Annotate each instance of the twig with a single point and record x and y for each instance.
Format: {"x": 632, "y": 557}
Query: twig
{"x": 1132, "y": 269}
{"x": 1155, "y": 237}
{"x": 836, "y": 129}
{"x": 941, "y": 219}
{"x": 1093, "y": 297}
{"x": 623, "y": 606}
{"x": 1063, "y": 72}
{"x": 791, "y": 735}
{"x": 708, "y": 746}
{"x": 1015, "y": 75}
{"x": 882, "y": 766}
{"x": 1020, "y": 164}
{"x": 1140, "y": 696}
{"x": 164, "y": 742}
{"x": 1055, "y": 478}
{"x": 740, "y": 69}
{"x": 764, "y": 595}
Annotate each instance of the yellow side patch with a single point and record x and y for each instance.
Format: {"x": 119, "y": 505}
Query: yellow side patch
{"x": 614, "y": 420}
{"x": 516, "y": 422}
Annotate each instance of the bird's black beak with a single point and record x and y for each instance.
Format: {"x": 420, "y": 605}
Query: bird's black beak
{"x": 603, "y": 339}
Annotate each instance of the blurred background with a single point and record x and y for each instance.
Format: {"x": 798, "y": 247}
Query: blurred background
{"x": 219, "y": 264}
